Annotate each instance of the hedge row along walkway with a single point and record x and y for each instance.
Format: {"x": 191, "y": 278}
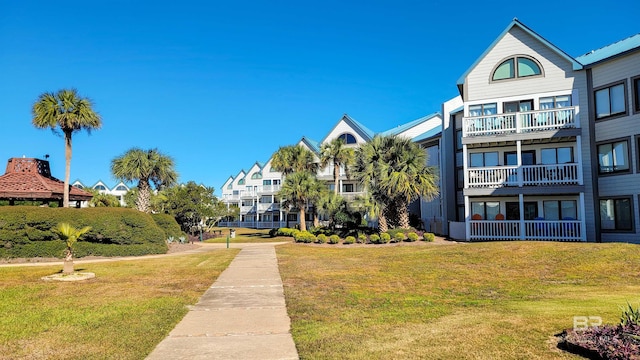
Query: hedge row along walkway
{"x": 242, "y": 316}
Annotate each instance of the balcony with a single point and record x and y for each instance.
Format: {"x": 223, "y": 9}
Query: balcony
{"x": 520, "y": 122}
{"x": 526, "y": 175}
{"x": 556, "y": 230}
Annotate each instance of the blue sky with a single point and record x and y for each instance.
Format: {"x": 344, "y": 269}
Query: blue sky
{"x": 218, "y": 85}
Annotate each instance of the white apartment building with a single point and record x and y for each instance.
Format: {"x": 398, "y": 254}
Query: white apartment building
{"x": 118, "y": 190}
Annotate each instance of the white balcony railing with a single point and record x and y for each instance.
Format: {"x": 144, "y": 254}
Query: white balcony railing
{"x": 556, "y": 230}
{"x": 520, "y": 122}
{"x": 497, "y": 176}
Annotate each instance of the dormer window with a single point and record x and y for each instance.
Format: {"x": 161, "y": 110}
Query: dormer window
{"x": 241, "y": 182}
{"x": 99, "y": 187}
{"x": 348, "y": 138}
{"x": 121, "y": 188}
{"x": 256, "y": 175}
{"x": 517, "y": 67}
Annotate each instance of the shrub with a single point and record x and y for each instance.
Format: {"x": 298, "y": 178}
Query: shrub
{"x": 27, "y": 231}
{"x": 304, "y": 236}
{"x": 334, "y": 239}
{"x": 286, "y": 231}
{"x": 169, "y": 224}
{"x": 321, "y": 238}
{"x": 374, "y": 238}
{"x": 384, "y": 238}
{"x": 398, "y": 237}
{"x": 630, "y": 316}
{"x": 430, "y": 237}
{"x": 412, "y": 236}
{"x": 362, "y": 238}
{"x": 273, "y": 232}
{"x": 349, "y": 240}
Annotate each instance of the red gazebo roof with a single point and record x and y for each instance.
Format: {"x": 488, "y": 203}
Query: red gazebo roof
{"x": 30, "y": 179}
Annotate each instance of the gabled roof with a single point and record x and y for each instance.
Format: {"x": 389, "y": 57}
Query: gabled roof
{"x": 402, "y": 128}
{"x": 362, "y": 130}
{"x": 515, "y": 22}
{"x": 30, "y": 179}
{"x": 311, "y": 144}
{"x": 618, "y": 48}
{"x": 429, "y": 134}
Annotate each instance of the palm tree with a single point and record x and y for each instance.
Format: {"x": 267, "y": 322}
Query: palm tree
{"x": 69, "y": 235}
{"x": 146, "y": 166}
{"x": 334, "y": 152}
{"x": 70, "y": 112}
{"x": 297, "y": 190}
{"x": 289, "y": 159}
{"x": 394, "y": 172}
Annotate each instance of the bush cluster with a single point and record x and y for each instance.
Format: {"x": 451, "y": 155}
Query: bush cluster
{"x": 334, "y": 239}
{"x": 349, "y": 240}
{"x": 169, "y": 224}
{"x": 430, "y": 237}
{"x": 412, "y": 236}
{"x": 25, "y": 231}
{"x": 304, "y": 236}
{"x": 321, "y": 238}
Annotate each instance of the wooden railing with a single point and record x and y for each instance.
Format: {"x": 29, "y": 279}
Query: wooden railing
{"x": 497, "y": 176}
{"x": 556, "y": 230}
{"x": 520, "y": 122}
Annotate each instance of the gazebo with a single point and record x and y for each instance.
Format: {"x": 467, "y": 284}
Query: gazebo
{"x": 29, "y": 179}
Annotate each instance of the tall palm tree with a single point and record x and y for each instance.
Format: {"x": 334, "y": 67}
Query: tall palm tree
{"x": 292, "y": 158}
{"x": 334, "y": 152}
{"x": 70, "y": 112}
{"x": 145, "y": 166}
{"x": 394, "y": 172}
{"x": 297, "y": 190}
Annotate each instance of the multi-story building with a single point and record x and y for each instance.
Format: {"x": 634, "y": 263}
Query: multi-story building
{"x": 540, "y": 147}
{"x": 255, "y": 191}
{"x": 118, "y": 190}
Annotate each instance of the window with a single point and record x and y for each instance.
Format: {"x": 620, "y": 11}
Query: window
{"x": 248, "y": 202}
{"x": 613, "y": 157}
{"x": 560, "y": 210}
{"x": 513, "y": 210}
{"x": 483, "y": 109}
{"x": 276, "y": 182}
{"x": 610, "y": 101}
{"x": 241, "y": 182}
{"x": 79, "y": 186}
{"x": 347, "y": 187}
{"x": 266, "y": 182}
{"x": 121, "y": 188}
{"x": 487, "y": 210}
{"x": 348, "y": 138}
{"x": 483, "y": 159}
{"x": 100, "y": 187}
{"x": 616, "y": 214}
{"x": 266, "y": 199}
{"x": 561, "y": 155}
{"x": 554, "y": 102}
{"x": 458, "y": 139}
{"x": 256, "y": 175}
{"x": 517, "y": 106}
{"x": 230, "y": 186}
{"x": 636, "y": 93}
{"x": 517, "y": 67}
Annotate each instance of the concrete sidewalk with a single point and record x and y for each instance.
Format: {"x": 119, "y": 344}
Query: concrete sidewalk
{"x": 242, "y": 316}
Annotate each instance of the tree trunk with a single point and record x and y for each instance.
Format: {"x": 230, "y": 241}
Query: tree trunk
{"x": 67, "y": 267}
{"x": 336, "y": 177}
{"x": 144, "y": 194}
{"x": 382, "y": 221}
{"x": 67, "y": 167}
{"x": 303, "y": 222}
{"x": 403, "y": 214}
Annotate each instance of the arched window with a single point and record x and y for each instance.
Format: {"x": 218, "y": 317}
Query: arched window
{"x": 79, "y": 186}
{"x": 256, "y": 175}
{"x": 230, "y": 186}
{"x": 241, "y": 182}
{"x": 99, "y": 187}
{"x": 348, "y": 138}
{"x": 121, "y": 188}
{"x": 517, "y": 67}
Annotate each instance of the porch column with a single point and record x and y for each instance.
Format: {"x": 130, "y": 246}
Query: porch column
{"x": 519, "y": 163}
{"x": 579, "y": 159}
{"x": 583, "y": 222}
{"x": 523, "y": 231}
{"x": 465, "y": 166}
{"x": 467, "y": 217}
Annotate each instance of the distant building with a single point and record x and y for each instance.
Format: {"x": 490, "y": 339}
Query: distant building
{"x": 118, "y": 190}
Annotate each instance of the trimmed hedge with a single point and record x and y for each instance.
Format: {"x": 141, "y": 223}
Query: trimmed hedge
{"x": 25, "y": 231}
{"x": 169, "y": 224}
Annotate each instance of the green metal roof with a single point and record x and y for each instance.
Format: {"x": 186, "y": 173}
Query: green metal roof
{"x": 611, "y": 50}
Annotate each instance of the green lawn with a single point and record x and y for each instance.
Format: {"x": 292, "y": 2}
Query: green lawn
{"x": 502, "y": 300}
{"x": 245, "y": 235}
{"x": 121, "y": 314}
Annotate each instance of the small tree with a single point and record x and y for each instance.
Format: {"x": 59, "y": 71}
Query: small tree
{"x": 69, "y": 235}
